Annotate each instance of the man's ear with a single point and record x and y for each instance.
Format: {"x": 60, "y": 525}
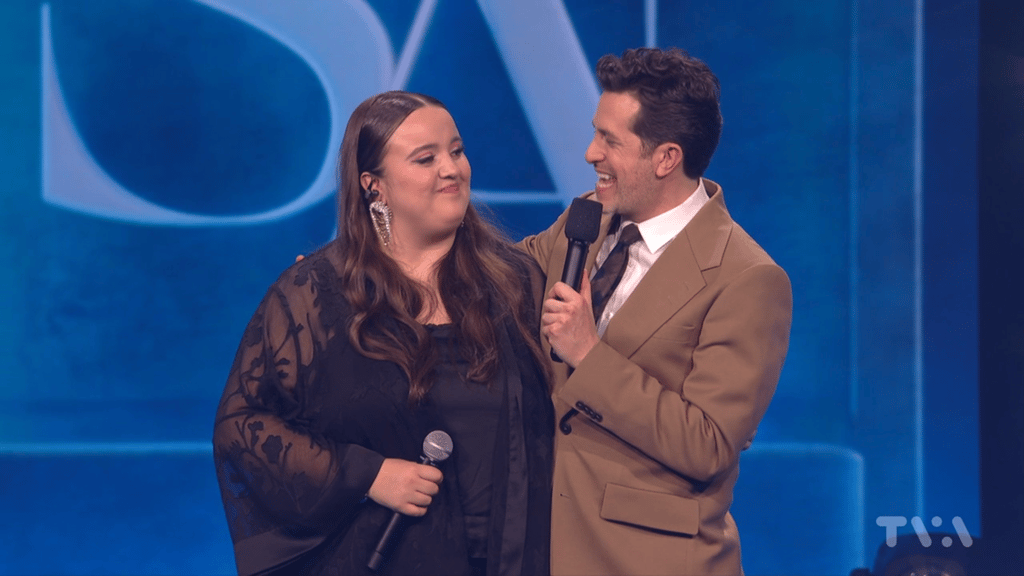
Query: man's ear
{"x": 667, "y": 158}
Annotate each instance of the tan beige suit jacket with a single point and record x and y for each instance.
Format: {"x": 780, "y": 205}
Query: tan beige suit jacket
{"x": 667, "y": 401}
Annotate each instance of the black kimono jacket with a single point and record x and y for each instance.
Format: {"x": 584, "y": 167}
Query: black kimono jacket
{"x": 306, "y": 421}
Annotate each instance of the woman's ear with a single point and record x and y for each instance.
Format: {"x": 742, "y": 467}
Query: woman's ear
{"x": 369, "y": 182}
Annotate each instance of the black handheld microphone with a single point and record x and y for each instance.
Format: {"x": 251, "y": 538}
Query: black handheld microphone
{"x": 437, "y": 447}
{"x": 582, "y": 226}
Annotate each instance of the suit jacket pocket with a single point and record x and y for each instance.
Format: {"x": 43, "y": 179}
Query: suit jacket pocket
{"x": 656, "y": 510}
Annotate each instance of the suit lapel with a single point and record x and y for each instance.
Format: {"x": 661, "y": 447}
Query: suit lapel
{"x": 675, "y": 278}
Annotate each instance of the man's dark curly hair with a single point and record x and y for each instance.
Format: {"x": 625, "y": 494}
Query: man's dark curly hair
{"x": 678, "y": 97}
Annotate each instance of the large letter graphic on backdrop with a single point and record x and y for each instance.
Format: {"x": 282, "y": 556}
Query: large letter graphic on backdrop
{"x": 558, "y": 95}
{"x": 552, "y": 78}
{"x": 72, "y": 179}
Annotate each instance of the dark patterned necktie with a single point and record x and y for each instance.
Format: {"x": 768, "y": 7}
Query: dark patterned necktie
{"x": 610, "y": 273}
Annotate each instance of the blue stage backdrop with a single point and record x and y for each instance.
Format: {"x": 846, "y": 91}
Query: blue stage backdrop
{"x": 163, "y": 161}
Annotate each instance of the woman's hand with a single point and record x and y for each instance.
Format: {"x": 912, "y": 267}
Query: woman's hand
{"x": 405, "y": 487}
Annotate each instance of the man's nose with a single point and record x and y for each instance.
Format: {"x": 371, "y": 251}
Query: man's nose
{"x": 593, "y": 154}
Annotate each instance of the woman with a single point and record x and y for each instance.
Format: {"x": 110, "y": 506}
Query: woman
{"x": 417, "y": 317}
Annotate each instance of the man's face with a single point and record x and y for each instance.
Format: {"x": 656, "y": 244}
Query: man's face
{"x": 626, "y": 182}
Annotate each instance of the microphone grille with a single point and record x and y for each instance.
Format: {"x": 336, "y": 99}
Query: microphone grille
{"x": 437, "y": 446}
{"x": 584, "y": 220}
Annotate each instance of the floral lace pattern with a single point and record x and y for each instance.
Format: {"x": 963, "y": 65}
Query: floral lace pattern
{"x": 305, "y": 423}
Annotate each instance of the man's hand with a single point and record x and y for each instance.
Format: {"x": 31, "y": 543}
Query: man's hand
{"x": 567, "y": 321}
{"x": 405, "y": 487}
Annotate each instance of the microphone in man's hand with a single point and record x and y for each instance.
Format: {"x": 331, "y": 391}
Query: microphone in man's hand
{"x": 582, "y": 225}
{"x": 437, "y": 447}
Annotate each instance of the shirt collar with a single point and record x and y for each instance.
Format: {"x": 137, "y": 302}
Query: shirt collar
{"x": 660, "y": 230}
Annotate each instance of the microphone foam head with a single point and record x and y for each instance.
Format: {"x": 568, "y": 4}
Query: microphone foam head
{"x": 437, "y": 446}
{"x": 584, "y": 220}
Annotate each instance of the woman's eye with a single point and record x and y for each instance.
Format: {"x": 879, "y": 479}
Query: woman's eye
{"x": 458, "y": 152}
{"x": 425, "y": 160}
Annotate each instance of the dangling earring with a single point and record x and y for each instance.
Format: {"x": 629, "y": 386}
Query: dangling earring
{"x": 380, "y": 215}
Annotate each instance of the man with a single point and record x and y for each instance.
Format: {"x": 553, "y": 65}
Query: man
{"x": 657, "y": 400}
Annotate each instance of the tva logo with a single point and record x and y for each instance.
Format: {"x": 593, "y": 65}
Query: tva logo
{"x": 891, "y": 523}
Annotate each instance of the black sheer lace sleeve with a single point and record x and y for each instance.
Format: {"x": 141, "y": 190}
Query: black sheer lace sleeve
{"x": 276, "y": 471}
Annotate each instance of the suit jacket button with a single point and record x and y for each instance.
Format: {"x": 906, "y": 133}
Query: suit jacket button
{"x": 563, "y": 424}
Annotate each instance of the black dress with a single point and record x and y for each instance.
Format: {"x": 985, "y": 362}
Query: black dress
{"x": 306, "y": 421}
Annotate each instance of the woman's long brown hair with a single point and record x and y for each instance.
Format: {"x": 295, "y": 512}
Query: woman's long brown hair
{"x": 484, "y": 282}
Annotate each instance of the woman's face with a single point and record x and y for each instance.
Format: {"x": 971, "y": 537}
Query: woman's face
{"x": 424, "y": 178}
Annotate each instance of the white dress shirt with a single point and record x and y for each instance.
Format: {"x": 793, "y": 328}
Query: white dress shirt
{"x": 655, "y": 235}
